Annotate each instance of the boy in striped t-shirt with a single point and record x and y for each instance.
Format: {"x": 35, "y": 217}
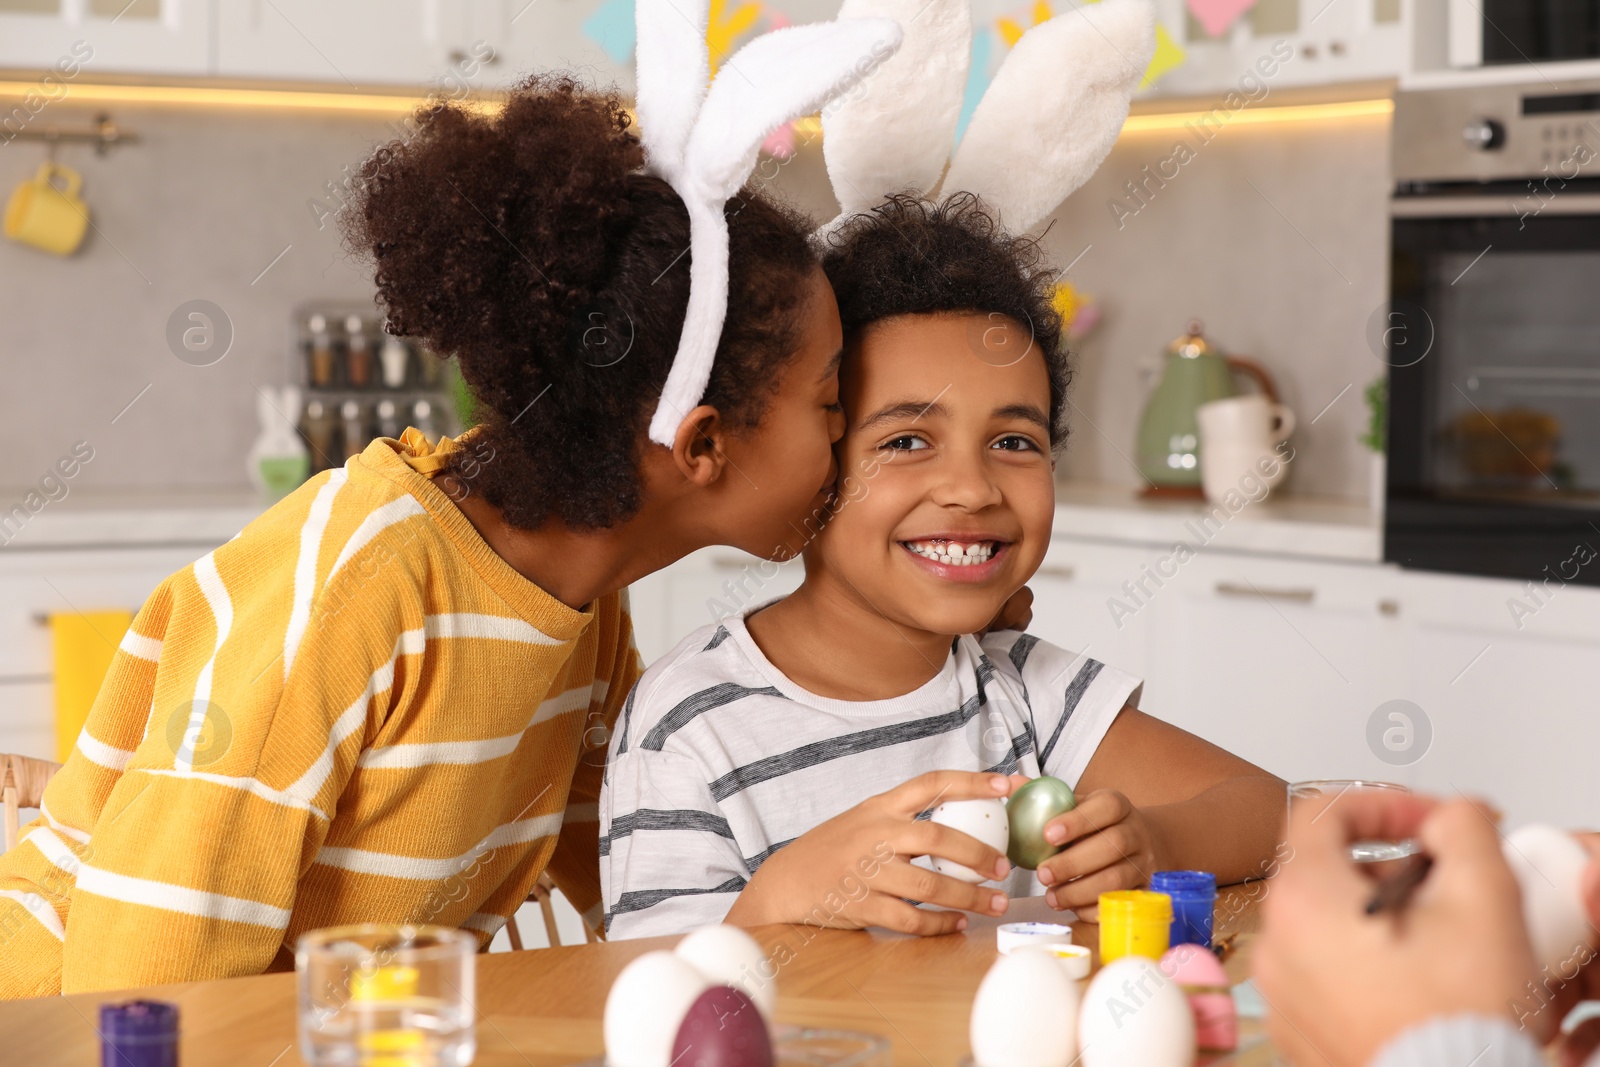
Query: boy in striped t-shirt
{"x": 776, "y": 767}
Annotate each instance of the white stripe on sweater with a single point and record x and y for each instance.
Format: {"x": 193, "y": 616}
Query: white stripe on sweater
{"x": 484, "y": 921}
{"x": 492, "y": 627}
{"x": 60, "y": 827}
{"x": 54, "y": 849}
{"x": 216, "y": 594}
{"x": 410, "y": 643}
{"x": 461, "y": 752}
{"x": 40, "y": 909}
{"x": 168, "y": 897}
{"x": 389, "y": 865}
{"x": 101, "y": 754}
{"x": 253, "y": 786}
{"x": 141, "y": 647}
{"x": 396, "y": 510}
{"x": 305, "y": 567}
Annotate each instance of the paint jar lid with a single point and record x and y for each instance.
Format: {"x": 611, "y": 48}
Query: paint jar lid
{"x": 139, "y": 1024}
{"x": 1135, "y": 906}
{"x": 1012, "y": 936}
{"x": 1184, "y": 883}
{"x": 1075, "y": 959}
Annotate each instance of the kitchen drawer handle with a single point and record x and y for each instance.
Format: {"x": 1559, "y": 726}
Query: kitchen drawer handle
{"x": 1245, "y": 589}
{"x": 1058, "y": 570}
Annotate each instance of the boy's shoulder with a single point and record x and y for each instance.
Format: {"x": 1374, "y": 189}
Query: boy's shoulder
{"x": 1038, "y": 666}
{"x": 707, "y": 667}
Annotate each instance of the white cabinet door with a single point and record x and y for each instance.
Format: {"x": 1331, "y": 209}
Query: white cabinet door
{"x": 352, "y": 42}
{"x": 1073, "y": 596}
{"x": 1281, "y": 662}
{"x": 701, "y": 589}
{"x": 1513, "y": 707}
{"x": 27, "y": 718}
{"x": 78, "y": 38}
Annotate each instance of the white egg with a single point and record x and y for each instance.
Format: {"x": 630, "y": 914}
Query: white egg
{"x": 646, "y": 1006}
{"x": 983, "y": 819}
{"x": 1133, "y": 1016}
{"x": 1025, "y": 1014}
{"x": 1549, "y": 865}
{"x": 728, "y": 956}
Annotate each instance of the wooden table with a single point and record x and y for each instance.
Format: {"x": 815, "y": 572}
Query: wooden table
{"x": 542, "y": 1008}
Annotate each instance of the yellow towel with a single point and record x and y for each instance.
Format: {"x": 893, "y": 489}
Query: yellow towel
{"x": 84, "y": 645}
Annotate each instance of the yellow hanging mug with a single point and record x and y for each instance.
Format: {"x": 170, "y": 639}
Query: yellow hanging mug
{"x": 42, "y": 214}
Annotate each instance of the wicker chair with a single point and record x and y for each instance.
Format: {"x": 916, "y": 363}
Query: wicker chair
{"x": 22, "y": 782}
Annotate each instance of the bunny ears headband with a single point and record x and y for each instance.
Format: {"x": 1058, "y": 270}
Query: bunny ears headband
{"x": 1047, "y": 121}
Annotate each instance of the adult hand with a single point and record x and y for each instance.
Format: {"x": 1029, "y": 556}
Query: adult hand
{"x": 1341, "y": 984}
{"x": 1113, "y": 847}
{"x": 854, "y": 870}
{"x": 1575, "y": 1048}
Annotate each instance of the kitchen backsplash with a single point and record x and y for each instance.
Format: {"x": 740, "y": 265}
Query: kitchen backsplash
{"x": 1272, "y": 234}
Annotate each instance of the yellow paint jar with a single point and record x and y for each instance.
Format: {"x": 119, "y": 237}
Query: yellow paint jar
{"x": 1134, "y": 922}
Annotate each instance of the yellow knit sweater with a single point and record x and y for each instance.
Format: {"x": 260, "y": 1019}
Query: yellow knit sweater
{"x": 355, "y": 711}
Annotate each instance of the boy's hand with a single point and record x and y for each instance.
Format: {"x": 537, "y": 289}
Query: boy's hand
{"x": 854, "y": 870}
{"x": 1113, "y": 847}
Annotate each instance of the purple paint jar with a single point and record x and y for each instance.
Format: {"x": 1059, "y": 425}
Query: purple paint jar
{"x": 1194, "y": 900}
{"x": 139, "y": 1033}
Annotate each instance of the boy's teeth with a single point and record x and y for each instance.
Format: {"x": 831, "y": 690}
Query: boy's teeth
{"x": 954, "y": 553}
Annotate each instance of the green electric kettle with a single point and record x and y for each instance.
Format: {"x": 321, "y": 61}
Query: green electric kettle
{"x": 1195, "y": 373}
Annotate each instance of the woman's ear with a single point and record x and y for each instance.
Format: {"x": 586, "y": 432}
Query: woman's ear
{"x": 697, "y": 448}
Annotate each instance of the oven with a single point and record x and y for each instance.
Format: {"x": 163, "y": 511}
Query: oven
{"x": 1492, "y": 333}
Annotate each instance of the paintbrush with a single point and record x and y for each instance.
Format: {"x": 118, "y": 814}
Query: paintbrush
{"x": 1393, "y": 891}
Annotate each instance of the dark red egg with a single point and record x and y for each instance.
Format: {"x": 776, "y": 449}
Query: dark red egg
{"x": 723, "y": 1028}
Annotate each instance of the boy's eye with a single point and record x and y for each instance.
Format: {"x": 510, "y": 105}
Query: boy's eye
{"x": 1015, "y": 442}
{"x": 906, "y": 442}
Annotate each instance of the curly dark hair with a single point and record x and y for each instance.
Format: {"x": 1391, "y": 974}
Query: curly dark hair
{"x": 909, "y": 256}
{"x": 530, "y": 246}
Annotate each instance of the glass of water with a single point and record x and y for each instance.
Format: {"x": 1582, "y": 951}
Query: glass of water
{"x": 386, "y": 996}
{"x": 1360, "y": 851}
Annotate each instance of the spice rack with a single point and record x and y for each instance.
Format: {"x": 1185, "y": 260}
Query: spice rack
{"x": 362, "y": 384}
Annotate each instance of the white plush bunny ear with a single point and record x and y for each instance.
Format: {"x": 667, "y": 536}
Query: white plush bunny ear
{"x": 775, "y": 78}
{"x": 895, "y": 135}
{"x": 1052, "y": 113}
{"x": 671, "y": 68}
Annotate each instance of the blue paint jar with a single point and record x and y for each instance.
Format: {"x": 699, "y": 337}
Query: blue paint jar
{"x": 1194, "y": 900}
{"x": 139, "y": 1033}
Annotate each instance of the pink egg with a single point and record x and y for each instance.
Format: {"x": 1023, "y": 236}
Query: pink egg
{"x": 723, "y": 1028}
{"x": 1204, "y": 981}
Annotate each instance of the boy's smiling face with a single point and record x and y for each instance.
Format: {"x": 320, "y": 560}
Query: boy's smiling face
{"x": 946, "y": 472}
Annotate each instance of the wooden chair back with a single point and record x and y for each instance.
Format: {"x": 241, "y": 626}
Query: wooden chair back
{"x": 541, "y": 893}
{"x": 22, "y": 782}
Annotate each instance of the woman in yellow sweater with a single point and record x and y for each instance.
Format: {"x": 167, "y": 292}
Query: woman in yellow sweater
{"x": 388, "y": 699}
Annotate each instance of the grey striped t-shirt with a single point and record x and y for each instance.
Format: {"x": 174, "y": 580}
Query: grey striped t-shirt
{"x": 720, "y": 760}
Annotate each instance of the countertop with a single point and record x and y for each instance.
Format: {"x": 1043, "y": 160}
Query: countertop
{"x": 1314, "y": 527}
{"x": 1290, "y": 526}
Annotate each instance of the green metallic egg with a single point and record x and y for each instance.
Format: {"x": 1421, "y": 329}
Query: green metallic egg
{"x": 1028, "y": 811}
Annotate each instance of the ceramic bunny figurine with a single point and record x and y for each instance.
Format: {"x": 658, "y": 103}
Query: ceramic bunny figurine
{"x": 278, "y": 461}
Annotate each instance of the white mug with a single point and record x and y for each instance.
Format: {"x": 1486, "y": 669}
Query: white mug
{"x": 1238, "y": 446}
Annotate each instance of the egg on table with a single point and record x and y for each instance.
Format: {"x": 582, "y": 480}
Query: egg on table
{"x": 984, "y": 819}
{"x": 1549, "y": 865}
{"x": 1025, "y": 1014}
{"x": 646, "y": 1006}
{"x": 1205, "y": 985}
{"x": 723, "y": 1028}
{"x": 728, "y": 956}
{"x": 1132, "y": 1015}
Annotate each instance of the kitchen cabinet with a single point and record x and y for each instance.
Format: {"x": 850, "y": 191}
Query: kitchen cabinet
{"x": 74, "y": 38}
{"x": 354, "y": 42}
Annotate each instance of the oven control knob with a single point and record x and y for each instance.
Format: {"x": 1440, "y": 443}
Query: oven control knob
{"x": 1484, "y": 134}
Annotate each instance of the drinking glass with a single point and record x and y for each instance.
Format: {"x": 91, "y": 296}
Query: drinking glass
{"x": 386, "y": 996}
{"x": 1360, "y": 851}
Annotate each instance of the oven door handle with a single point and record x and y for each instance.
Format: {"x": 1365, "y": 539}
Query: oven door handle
{"x": 1465, "y": 207}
